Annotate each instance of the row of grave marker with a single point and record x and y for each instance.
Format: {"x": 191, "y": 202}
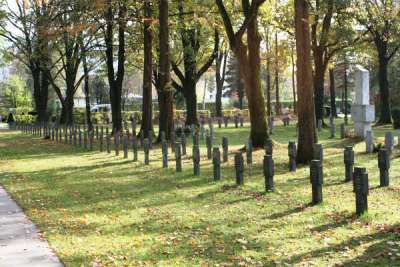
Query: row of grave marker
{"x": 358, "y": 175}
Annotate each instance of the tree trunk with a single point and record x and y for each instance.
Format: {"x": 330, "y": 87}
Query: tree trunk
{"x": 332, "y": 92}
{"x": 278, "y": 108}
{"x": 346, "y": 112}
{"x": 268, "y": 74}
{"x": 306, "y": 113}
{"x": 166, "y": 118}
{"x": 147, "y": 106}
{"x": 205, "y": 93}
{"x": 386, "y": 114}
{"x": 249, "y": 65}
{"x": 86, "y": 89}
{"x": 220, "y": 79}
{"x": 191, "y": 104}
{"x": 294, "y": 82}
{"x": 319, "y": 80}
{"x": 40, "y": 93}
{"x": 67, "y": 110}
{"x": 115, "y": 79}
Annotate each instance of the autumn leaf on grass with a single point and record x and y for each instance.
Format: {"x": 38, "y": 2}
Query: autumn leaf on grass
{"x": 83, "y": 221}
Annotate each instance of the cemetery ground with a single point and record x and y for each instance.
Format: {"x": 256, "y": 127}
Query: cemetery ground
{"x": 96, "y": 209}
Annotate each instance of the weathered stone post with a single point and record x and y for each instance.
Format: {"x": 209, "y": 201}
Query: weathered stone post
{"x": 108, "y": 141}
{"x": 183, "y": 142}
{"x": 101, "y": 138}
{"x": 65, "y": 135}
{"x": 225, "y": 149}
{"x": 269, "y": 172}
{"x": 178, "y": 157}
{"x": 226, "y": 121}
{"x": 369, "y": 142}
{"x": 333, "y": 129}
{"x": 384, "y": 166}
{"x": 75, "y": 137}
{"x": 292, "y": 152}
{"x": 85, "y": 139}
{"x": 389, "y": 142}
{"x": 271, "y": 125}
{"x": 241, "y": 121}
{"x": 146, "y": 148}
{"x": 348, "y": 163}
{"x": 79, "y": 136}
{"x": 202, "y": 130}
{"x": 91, "y": 140}
{"x": 126, "y": 146}
{"x": 52, "y": 133}
{"x": 133, "y": 125}
{"x": 172, "y": 141}
{"x": 318, "y": 153}
{"x": 361, "y": 189}
{"x": 217, "y": 163}
{"x": 239, "y": 168}
{"x": 196, "y": 160}
{"x": 219, "y": 123}
{"x": 319, "y": 125}
{"x": 236, "y": 118}
{"x": 135, "y": 148}
{"x": 316, "y": 179}
{"x": 209, "y": 146}
{"x": 269, "y": 147}
{"x": 196, "y": 140}
{"x": 249, "y": 152}
{"x": 56, "y": 133}
{"x": 343, "y": 131}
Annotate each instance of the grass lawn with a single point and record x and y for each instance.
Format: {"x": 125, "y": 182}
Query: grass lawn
{"x": 97, "y": 209}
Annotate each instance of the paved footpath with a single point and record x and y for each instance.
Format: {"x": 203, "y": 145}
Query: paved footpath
{"x": 20, "y": 243}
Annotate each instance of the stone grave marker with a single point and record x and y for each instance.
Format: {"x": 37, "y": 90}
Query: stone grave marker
{"x": 369, "y": 141}
{"x": 269, "y": 172}
{"x": 269, "y": 147}
{"x": 384, "y": 166}
{"x": 361, "y": 189}
{"x": 209, "y": 146}
{"x": 317, "y": 180}
{"x": 389, "y": 142}
{"x": 239, "y": 168}
{"x": 348, "y": 163}
{"x": 178, "y": 157}
{"x": 225, "y": 149}
{"x": 217, "y": 164}
{"x": 126, "y": 146}
{"x": 292, "y": 152}
{"x": 135, "y": 148}
{"x": 196, "y": 160}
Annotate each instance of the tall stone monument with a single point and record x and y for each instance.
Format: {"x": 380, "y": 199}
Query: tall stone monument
{"x": 362, "y": 112}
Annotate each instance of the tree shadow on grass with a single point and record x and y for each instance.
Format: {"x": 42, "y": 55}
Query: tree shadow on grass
{"x": 372, "y": 256}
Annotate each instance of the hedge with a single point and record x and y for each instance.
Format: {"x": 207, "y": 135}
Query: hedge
{"x": 25, "y": 118}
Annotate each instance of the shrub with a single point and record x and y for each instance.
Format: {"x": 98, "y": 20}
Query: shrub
{"x": 25, "y": 118}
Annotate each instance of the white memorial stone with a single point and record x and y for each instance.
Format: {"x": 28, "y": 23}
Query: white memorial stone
{"x": 362, "y": 112}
